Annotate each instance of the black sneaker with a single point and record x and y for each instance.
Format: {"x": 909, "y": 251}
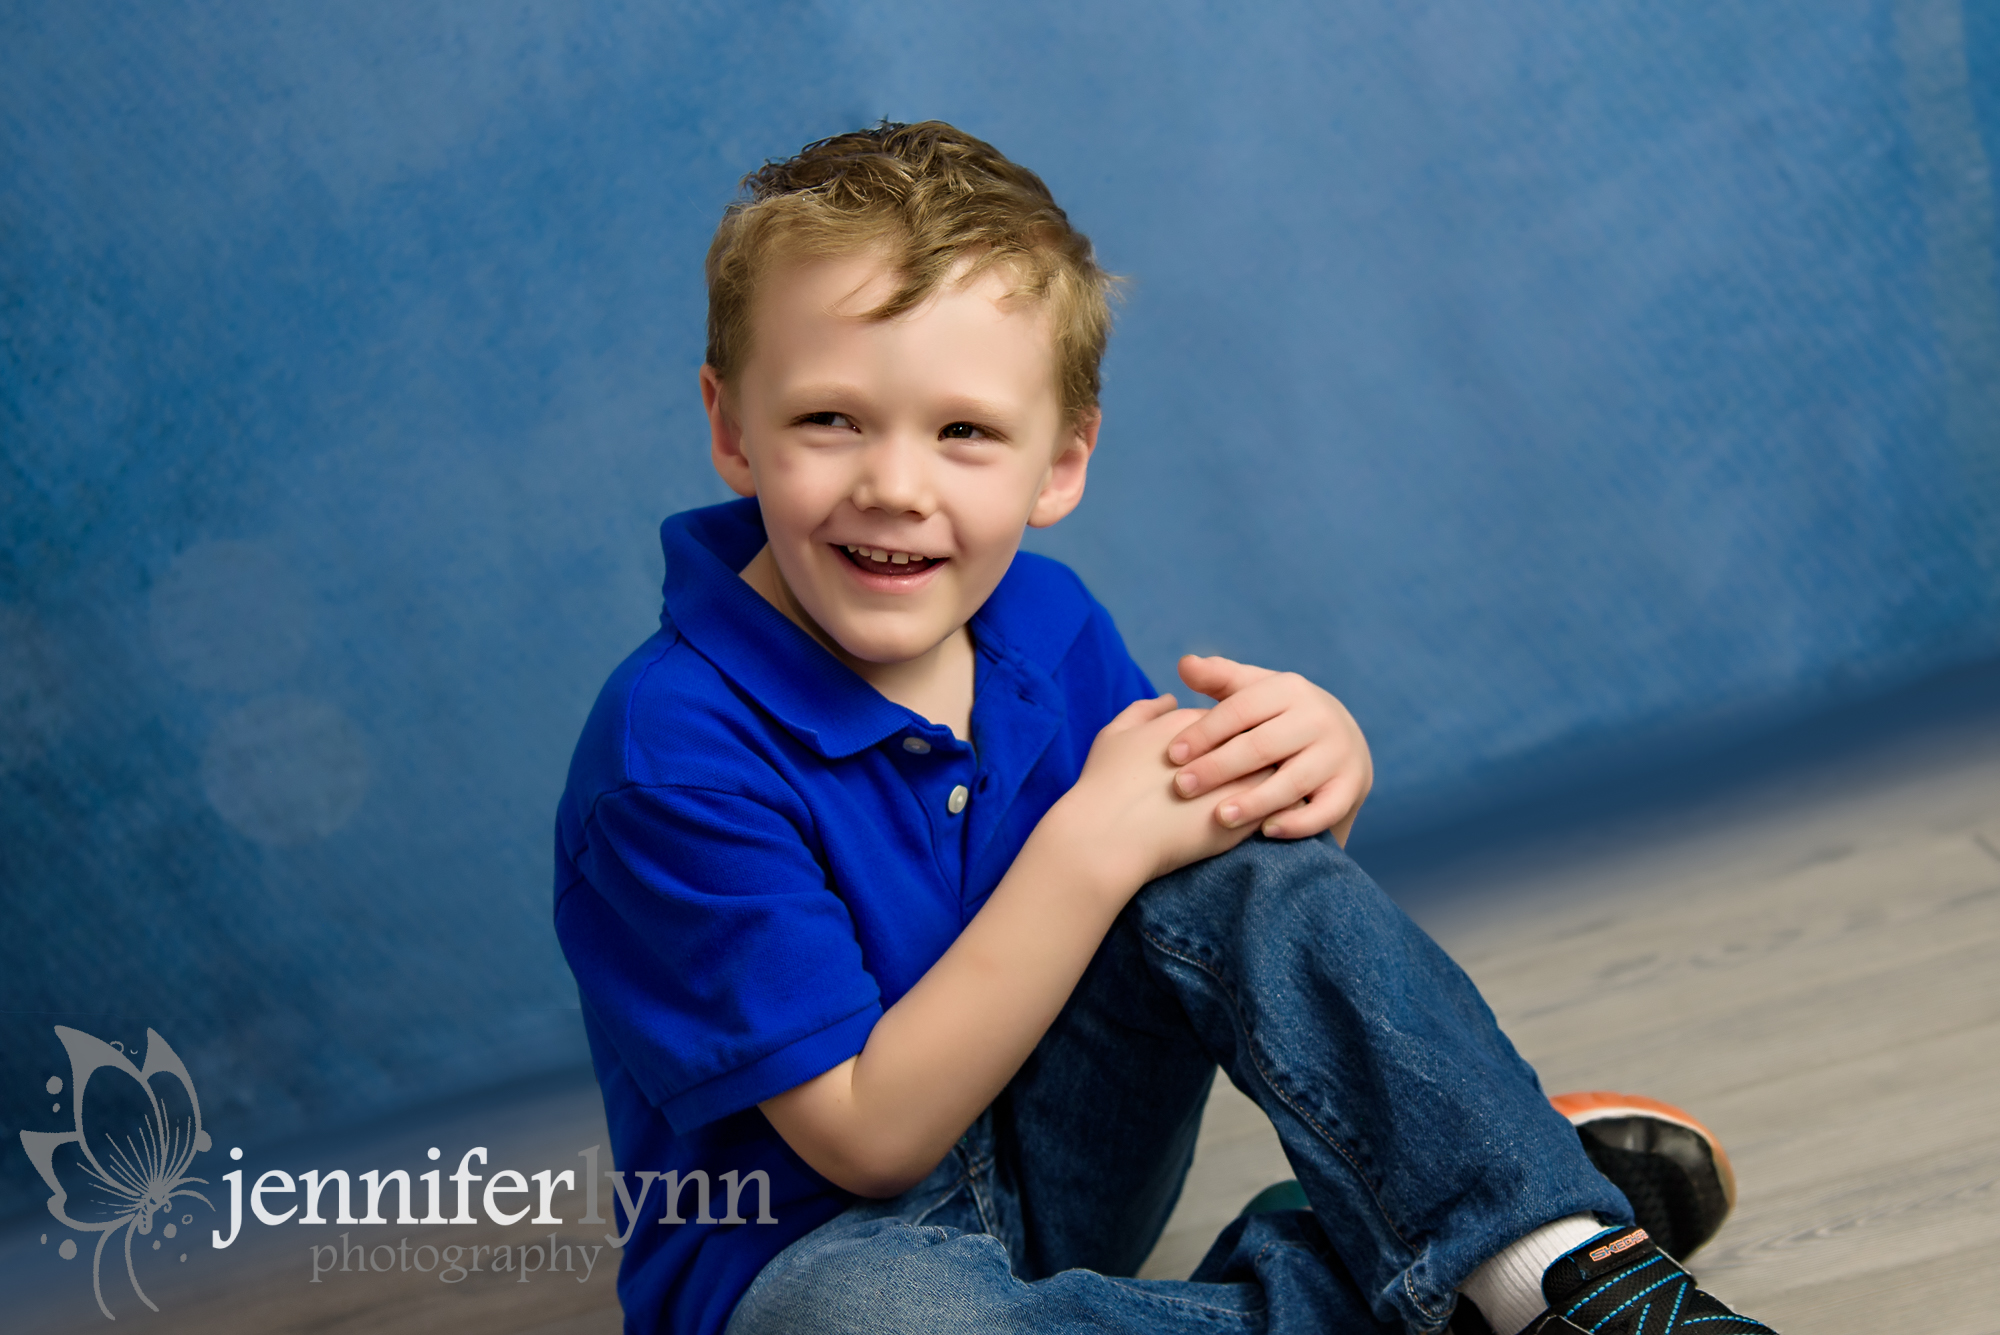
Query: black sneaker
{"x": 1669, "y": 1166}
{"x": 1621, "y": 1283}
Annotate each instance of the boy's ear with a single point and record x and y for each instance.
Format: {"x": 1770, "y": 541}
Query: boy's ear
{"x": 1062, "y": 488}
{"x": 725, "y": 436}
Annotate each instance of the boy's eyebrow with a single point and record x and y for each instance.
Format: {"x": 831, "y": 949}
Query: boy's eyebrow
{"x": 951, "y": 406}
{"x": 831, "y": 391}
{"x": 978, "y": 409}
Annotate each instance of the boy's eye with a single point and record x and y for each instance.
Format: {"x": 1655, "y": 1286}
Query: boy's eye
{"x": 841, "y": 420}
{"x": 963, "y": 431}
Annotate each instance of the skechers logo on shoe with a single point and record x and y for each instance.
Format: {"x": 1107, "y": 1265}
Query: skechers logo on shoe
{"x": 1618, "y": 1244}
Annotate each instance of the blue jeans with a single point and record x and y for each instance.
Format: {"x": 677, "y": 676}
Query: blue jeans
{"x": 1421, "y": 1138}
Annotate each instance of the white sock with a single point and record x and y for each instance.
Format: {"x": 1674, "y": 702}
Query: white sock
{"x": 1508, "y": 1288}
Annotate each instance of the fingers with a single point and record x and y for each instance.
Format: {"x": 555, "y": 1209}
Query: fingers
{"x": 1248, "y": 706}
{"x": 1273, "y": 808}
{"x": 1254, "y": 731}
{"x": 1218, "y": 677}
{"x": 1333, "y": 806}
{"x": 1277, "y": 753}
{"x": 1238, "y": 791}
{"x": 1230, "y": 838}
{"x": 1317, "y": 789}
{"x": 1288, "y": 786}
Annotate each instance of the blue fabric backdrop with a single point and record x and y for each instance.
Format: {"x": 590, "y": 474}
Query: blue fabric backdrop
{"x": 1559, "y": 383}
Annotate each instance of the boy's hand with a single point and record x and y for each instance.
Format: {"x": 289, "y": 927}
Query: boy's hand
{"x": 1265, "y": 719}
{"x": 1124, "y": 814}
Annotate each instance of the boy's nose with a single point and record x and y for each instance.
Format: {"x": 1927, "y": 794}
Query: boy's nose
{"x": 895, "y": 477}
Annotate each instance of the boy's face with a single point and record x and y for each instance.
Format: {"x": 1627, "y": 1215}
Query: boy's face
{"x": 934, "y": 438}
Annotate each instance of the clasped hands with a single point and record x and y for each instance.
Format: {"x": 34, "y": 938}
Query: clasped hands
{"x": 1321, "y": 770}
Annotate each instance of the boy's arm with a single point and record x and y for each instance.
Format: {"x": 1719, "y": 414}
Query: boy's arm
{"x": 1321, "y": 769}
{"x": 880, "y": 1121}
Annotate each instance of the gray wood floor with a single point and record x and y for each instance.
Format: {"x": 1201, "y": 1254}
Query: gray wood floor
{"x": 1814, "y": 970}
{"x": 1811, "y": 965}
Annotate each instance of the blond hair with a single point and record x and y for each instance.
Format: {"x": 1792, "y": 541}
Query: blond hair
{"x": 943, "y": 204}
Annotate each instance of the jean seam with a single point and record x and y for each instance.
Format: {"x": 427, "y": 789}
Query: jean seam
{"x": 1251, "y": 1048}
{"x": 1176, "y": 1300}
{"x": 964, "y": 1182}
{"x": 981, "y": 1200}
{"x": 917, "y": 1221}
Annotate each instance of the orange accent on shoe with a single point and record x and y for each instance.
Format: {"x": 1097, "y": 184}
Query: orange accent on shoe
{"x": 1596, "y": 1104}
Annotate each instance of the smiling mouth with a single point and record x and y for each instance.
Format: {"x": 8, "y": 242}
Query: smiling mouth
{"x": 882, "y": 561}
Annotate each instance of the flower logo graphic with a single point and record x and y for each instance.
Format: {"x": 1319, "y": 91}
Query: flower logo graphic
{"x": 137, "y": 1131}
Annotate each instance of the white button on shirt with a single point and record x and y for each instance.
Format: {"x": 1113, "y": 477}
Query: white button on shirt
{"x": 916, "y": 746}
{"x": 956, "y": 802}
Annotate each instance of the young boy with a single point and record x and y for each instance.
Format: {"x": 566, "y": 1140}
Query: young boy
{"x": 851, "y": 859}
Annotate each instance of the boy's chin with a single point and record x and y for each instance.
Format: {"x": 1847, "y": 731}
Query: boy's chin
{"x": 888, "y": 650}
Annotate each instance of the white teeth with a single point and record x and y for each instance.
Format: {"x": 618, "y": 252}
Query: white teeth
{"x": 886, "y": 557}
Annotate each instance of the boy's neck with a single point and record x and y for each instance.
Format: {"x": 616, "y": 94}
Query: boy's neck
{"x": 937, "y": 684}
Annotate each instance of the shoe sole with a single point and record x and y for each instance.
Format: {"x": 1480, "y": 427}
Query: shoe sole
{"x": 1671, "y": 1167}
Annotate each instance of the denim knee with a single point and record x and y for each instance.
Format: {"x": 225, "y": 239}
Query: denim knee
{"x": 1259, "y": 872}
{"x": 880, "y": 1277}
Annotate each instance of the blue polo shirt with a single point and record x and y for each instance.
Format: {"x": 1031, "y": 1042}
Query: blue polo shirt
{"x": 757, "y": 854}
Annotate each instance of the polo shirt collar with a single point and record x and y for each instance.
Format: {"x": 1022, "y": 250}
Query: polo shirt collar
{"x": 814, "y": 695}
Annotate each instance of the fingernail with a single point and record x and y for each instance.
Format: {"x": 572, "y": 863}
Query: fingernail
{"x": 1231, "y": 814}
{"x": 1271, "y": 830}
{"x": 1177, "y": 752}
{"x": 1186, "y": 783}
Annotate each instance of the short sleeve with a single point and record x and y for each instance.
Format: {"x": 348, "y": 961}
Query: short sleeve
{"x": 709, "y": 946}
